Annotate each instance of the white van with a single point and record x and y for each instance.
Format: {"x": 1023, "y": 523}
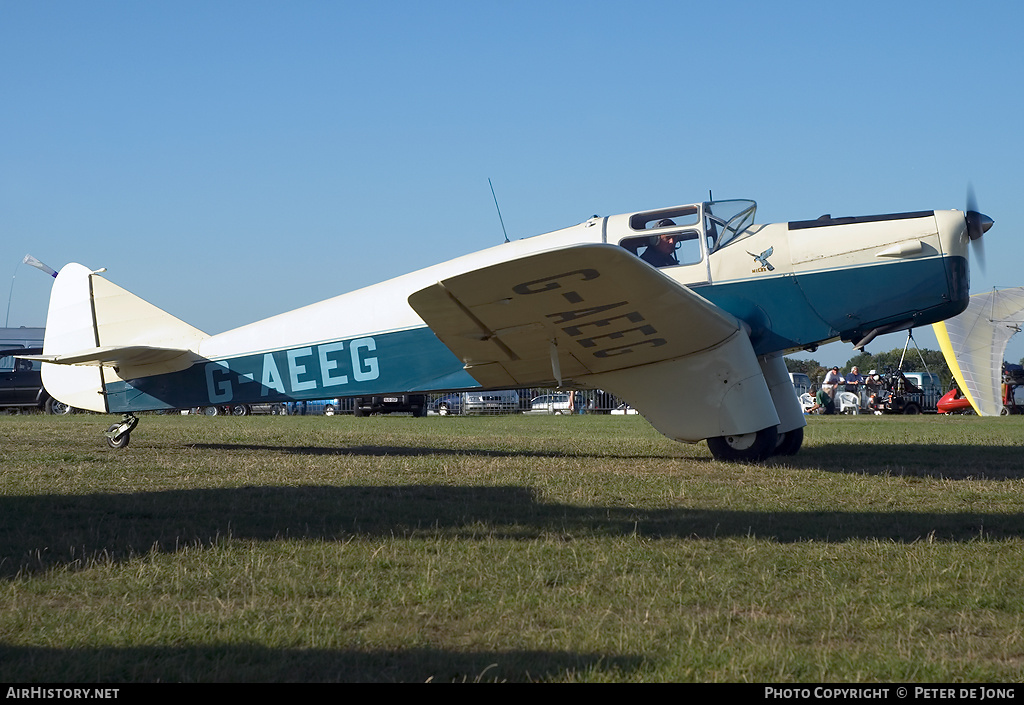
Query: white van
{"x": 22, "y": 337}
{"x": 927, "y": 382}
{"x": 801, "y": 383}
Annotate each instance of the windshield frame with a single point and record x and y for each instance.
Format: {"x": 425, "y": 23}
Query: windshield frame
{"x": 724, "y": 221}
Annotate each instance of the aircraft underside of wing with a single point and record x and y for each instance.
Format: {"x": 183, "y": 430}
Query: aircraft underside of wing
{"x": 595, "y": 316}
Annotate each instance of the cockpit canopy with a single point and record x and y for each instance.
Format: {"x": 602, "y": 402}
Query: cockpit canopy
{"x": 697, "y": 230}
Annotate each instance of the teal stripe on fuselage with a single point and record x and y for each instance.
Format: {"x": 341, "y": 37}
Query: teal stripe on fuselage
{"x": 403, "y": 361}
{"x": 797, "y": 310}
{"x": 783, "y": 312}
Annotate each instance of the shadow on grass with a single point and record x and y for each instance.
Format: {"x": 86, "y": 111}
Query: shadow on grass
{"x": 40, "y": 532}
{"x": 407, "y": 451}
{"x": 257, "y": 664}
{"x": 949, "y": 462}
{"x": 943, "y": 462}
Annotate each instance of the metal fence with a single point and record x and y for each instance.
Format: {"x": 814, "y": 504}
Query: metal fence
{"x": 588, "y": 401}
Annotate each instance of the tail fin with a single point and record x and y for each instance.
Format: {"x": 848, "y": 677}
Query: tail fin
{"x": 97, "y": 332}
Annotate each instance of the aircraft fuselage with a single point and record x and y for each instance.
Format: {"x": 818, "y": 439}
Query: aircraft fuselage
{"x": 793, "y": 285}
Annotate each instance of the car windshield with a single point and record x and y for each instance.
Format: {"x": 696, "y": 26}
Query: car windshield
{"x": 725, "y": 220}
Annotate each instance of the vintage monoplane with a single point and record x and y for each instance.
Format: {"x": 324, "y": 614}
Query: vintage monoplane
{"x": 694, "y": 344}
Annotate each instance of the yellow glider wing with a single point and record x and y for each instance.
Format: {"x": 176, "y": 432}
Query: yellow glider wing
{"x": 974, "y": 343}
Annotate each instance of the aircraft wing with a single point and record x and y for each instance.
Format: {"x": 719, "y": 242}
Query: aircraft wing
{"x": 566, "y": 313}
{"x": 974, "y": 343}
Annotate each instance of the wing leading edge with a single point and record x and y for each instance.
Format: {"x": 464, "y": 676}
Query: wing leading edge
{"x": 596, "y": 316}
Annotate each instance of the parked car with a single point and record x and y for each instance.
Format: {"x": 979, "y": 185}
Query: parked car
{"x": 313, "y": 407}
{"x": 416, "y": 404}
{"x": 222, "y": 410}
{"x": 21, "y": 384}
{"x": 550, "y": 404}
{"x": 447, "y": 405}
{"x": 500, "y": 401}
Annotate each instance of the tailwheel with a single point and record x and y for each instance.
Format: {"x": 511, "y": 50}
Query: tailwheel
{"x": 745, "y": 447}
{"x": 119, "y": 435}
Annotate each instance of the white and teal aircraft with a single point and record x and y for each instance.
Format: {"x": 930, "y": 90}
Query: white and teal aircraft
{"x": 695, "y": 344}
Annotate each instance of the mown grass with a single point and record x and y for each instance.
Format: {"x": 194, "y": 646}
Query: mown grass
{"x": 508, "y": 548}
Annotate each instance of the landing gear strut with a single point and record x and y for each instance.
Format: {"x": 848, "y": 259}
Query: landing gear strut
{"x": 119, "y": 434}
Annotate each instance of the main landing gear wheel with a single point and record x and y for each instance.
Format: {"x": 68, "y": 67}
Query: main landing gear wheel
{"x": 120, "y": 434}
{"x": 790, "y": 441}
{"x": 745, "y": 447}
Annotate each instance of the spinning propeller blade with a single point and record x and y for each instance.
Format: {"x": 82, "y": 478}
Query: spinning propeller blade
{"x": 977, "y": 225}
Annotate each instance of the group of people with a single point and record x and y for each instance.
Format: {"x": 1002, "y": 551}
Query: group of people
{"x": 825, "y": 398}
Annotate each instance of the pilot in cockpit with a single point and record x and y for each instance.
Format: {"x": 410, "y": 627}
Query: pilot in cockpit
{"x": 662, "y": 251}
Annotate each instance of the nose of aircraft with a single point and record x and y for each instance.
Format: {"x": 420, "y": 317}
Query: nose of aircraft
{"x": 977, "y": 225}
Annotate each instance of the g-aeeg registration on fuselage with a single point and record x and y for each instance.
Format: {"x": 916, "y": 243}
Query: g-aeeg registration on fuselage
{"x": 695, "y": 343}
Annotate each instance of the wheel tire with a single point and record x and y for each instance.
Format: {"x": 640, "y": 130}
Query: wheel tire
{"x": 912, "y": 409}
{"x": 211, "y": 411}
{"x": 442, "y": 410}
{"x": 239, "y": 410}
{"x": 746, "y": 447}
{"x": 118, "y": 441}
{"x": 328, "y": 410}
{"x": 57, "y": 408}
{"x": 789, "y": 443}
{"x": 1005, "y": 411}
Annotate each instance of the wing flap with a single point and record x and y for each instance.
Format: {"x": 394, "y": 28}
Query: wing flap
{"x": 580, "y": 310}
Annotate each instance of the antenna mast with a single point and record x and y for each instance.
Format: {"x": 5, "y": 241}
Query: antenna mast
{"x": 502, "y": 220}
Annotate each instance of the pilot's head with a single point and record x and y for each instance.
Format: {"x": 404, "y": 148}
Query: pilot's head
{"x": 667, "y": 241}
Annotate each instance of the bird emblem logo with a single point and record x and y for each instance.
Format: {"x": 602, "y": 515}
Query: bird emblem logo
{"x": 762, "y": 259}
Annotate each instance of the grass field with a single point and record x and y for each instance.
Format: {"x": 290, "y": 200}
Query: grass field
{"x": 585, "y": 548}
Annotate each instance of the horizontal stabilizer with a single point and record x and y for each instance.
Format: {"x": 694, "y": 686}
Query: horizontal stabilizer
{"x": 129, "y": 361}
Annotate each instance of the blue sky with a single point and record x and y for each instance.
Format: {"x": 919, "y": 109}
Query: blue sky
{"x": 228, "y": 161}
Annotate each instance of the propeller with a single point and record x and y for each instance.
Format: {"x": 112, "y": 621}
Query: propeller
{"x": 977, "y": 225}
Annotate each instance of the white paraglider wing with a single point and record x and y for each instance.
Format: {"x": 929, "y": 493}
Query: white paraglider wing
{"x": 974, "y": 343}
